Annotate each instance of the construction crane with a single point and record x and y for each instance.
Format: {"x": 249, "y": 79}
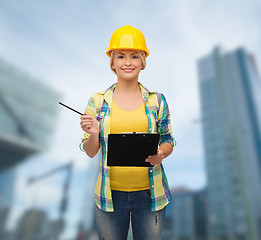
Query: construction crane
{"x": 60, "y": 223}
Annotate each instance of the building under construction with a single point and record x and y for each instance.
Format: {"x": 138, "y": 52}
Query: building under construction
{"x": 28, "y": 114}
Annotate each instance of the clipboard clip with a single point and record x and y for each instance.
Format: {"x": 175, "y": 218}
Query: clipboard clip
{"x": 134, "y": 133}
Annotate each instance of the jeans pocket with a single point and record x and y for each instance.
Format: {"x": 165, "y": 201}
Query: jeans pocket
{"x": 148, "y": 192}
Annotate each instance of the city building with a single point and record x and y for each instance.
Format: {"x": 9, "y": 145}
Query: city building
{"x": 230, "y": 92}
{"x": 183, "y": 215}
{"x": 200, "y": 214}
{"x": 28, "y": 113}
{"x": 189, "y": 214}
{"x": 186, "y": 215}
{"x": 23, "y": 101}
{"x": 7, "y": 181}
{"x": 34, "y": 224}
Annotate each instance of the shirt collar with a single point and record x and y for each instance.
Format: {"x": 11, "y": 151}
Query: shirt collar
{"x": 109, "y": 93}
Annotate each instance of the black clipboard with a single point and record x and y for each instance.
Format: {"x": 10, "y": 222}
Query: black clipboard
{"x": 131, "y": 149}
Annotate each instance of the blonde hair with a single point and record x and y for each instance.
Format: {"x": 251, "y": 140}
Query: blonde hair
{"x": 141, "y": 55}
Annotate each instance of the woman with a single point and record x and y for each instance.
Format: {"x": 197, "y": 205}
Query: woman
{"x": 124, "y": 194}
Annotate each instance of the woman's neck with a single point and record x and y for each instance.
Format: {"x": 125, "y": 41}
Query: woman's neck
{"x": 127, "y": 95}
{"x": 127, "y": 87}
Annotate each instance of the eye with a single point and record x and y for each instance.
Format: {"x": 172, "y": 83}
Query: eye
{"x": 120, "y": 56}
{"x": 135, "y": 56}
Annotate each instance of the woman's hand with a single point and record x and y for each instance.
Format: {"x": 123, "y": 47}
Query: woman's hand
{"x": 89, "y": 124}
{"x": 155, "y": 159}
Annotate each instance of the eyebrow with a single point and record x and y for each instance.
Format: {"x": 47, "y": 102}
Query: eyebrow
{"x": 124, "y": 53}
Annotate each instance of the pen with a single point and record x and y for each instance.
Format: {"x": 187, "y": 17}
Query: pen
{"x": 70, "y": 108}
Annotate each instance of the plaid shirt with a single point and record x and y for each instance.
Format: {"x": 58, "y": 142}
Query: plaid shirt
{"x": 157, "y": 111}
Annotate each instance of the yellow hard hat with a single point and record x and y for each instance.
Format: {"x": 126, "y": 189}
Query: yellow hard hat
{"x": 127, "y": 37}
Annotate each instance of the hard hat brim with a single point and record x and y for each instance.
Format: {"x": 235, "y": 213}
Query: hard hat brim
{"x": 109, "y": 50}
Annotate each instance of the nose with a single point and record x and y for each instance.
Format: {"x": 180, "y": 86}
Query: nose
{"x": 128, "y": 61}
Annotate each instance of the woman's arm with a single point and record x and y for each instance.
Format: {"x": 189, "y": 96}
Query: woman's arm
{"x": 164, "y": 151}
{"x": 166, "y": 148}
{"x": 90, "y": 125}
{"x": 91, "y": 145}
{"x": 167, "y": 141}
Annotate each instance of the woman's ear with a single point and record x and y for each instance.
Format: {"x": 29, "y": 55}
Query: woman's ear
{"x": 112, "y": 64}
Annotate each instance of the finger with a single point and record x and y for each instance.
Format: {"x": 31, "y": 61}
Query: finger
{"x": 159, "y": 151}
{"x": 153, "y": 157}
{"x": 86, "y": 124}
{"x": 155, "y": 162}
{"x": 149, "y": 160}
{"x": 85, "y": 114}
{"x": 158, "y": 155}
{"x": 152, "y": 162}
{"x": 87, "y": 121}
{"x": 85, "y": 117}
{"x": 83, "y": 123}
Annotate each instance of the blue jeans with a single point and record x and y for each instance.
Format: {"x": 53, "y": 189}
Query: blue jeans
{"x": 134, "y": 207}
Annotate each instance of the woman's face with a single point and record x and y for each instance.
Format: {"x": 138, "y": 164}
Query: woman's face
{"x": 127, "y": 64}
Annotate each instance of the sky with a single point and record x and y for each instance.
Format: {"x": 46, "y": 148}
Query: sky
{"x": 62, "y": 43}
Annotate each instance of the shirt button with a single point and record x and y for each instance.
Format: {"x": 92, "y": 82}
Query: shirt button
{"x": 152, "y": 186}
{"x": 150, "y": 170}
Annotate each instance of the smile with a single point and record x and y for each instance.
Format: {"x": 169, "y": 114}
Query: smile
{"x": 128, "y": 69}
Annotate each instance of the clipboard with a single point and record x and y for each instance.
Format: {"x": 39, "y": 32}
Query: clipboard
{"x": 131, "y": 149}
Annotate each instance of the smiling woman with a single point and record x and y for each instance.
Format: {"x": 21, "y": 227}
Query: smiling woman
{"x": 140, "y": 54}
{"x": 126, "y": 64}
{"x": 124, "y": 194}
